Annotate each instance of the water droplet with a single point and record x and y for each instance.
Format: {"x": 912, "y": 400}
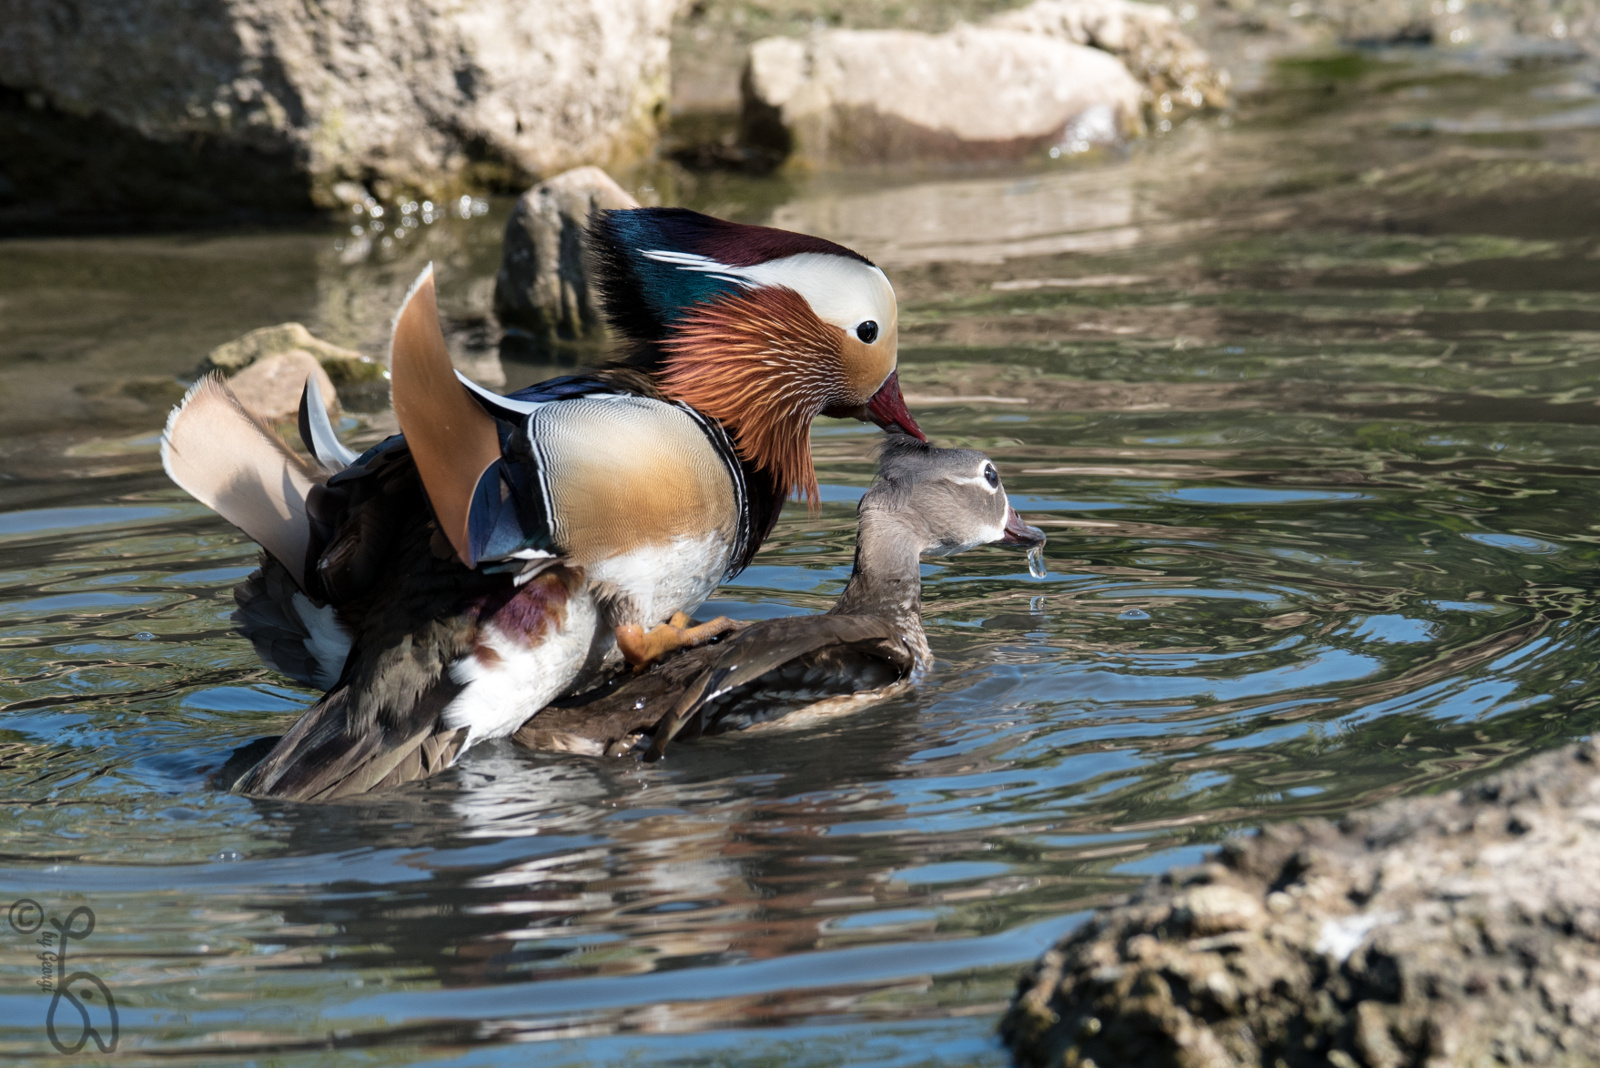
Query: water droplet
{"x": 1133, "y": 613}
{"x": 144, "y": 636}
{"x": 1036, "y": 566}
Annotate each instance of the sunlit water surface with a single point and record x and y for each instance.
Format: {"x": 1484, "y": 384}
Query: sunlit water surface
{"x": 1307, "y": 403}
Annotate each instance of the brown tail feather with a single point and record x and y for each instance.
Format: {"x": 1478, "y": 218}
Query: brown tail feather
{"x": 234, "y": 464}
{"x": 451, "y": 438}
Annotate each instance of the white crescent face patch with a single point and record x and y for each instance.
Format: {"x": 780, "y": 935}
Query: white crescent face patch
{"x": 842, "y": 291}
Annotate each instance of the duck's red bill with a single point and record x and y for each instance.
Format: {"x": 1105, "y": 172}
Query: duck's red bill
{"x": 1020, "y": 533}
{"x": 888, "y": 409}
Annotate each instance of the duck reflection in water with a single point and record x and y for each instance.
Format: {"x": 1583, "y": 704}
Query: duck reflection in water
{"x": 869, "y": 646}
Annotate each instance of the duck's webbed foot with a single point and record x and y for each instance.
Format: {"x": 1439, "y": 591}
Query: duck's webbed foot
{"x": 641, "y": 647}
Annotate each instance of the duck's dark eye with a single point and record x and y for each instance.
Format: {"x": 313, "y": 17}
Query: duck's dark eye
{"x": 867, "y": 331}
{"x": 991, "y": 476}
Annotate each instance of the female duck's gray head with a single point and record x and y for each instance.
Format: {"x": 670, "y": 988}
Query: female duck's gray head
{"x": 948, "y": 500}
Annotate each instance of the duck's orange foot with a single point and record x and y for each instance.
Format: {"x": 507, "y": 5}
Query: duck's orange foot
{"x": 641, "y": 647}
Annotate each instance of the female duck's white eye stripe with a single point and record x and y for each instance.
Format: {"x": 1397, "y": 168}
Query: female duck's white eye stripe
{"x": 973, "y": 480}
{"x": 841, "y": 290}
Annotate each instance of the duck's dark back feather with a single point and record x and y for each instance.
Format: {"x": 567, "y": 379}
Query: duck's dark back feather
{"x": 354, "y": 520}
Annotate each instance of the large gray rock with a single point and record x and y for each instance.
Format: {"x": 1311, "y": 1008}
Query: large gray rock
{"x": 891, "y": 96}
{"x": 542, "y": 291}
{"x": 1147, "y": 39}
{"x": 1459, "y": 931}
{"x": 210, "y": 105}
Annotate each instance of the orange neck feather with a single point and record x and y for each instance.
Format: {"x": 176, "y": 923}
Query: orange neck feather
{"x": 763, "y": 365}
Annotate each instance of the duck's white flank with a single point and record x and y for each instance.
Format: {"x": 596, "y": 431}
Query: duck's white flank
{"x": 515, "y": 680}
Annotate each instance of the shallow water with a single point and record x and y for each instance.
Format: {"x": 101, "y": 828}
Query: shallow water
{"x": 1307, "y": 403}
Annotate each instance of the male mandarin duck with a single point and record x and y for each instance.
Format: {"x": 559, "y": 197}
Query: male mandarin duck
{"x": 868, "y": 646}
{"x": 450, "y": 582}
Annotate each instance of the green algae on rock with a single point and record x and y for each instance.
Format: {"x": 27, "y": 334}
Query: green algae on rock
{"x": 344, "y": 366}
{"x": 360, "y": 384}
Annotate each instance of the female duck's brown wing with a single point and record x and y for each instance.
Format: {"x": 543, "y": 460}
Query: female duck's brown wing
{"x": 607, "y": 720}
{"x": 766, "y": 670}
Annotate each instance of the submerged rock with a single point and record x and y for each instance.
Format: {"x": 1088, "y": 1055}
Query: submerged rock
{"x": 889, "y": 96}
{"x": 270, "y": 387}
{"x": 234, "y": 105}
{"x": 360, "y": 382}
{"x": 542, "y": 291}
{"x": 1454, "y": 930}
{"x": 343, "y": 365}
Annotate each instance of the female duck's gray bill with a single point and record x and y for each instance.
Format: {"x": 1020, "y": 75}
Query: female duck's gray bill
{"x": 1020, "y": 533}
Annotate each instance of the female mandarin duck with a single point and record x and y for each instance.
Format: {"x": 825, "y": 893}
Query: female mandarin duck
{"x": 450, "y": 582}
{"x": 868, "y": 646}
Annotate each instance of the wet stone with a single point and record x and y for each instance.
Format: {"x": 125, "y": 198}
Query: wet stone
{"x": 973, "y": 94}
{"x": 542, "y": 293}
{"x": 234, "y": 356}
{"x": 1465, "y": 952}
{"x": 360, "y": 382}
{"x": 248, "y": 106}
{"x": 1146, "y": 37}
{"x": 271, "y": 387}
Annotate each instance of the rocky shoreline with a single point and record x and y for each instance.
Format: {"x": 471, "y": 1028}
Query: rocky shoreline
{"x": 262, "y": 109}
{"x": 250, "y": 109}
{"x": 1458, "y": 930}
{"x": 258, "y": 109}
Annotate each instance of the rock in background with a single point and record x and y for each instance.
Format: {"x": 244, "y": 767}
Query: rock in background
{"x": 1248, "y": 36}
{"x": 1458, "y": 930}
{"x": 1146, "y": 37}
{"x": 1496, "y": 23}
{"x": 948, "y": 84}
{"x": 271, "y": 387}
{"x": 268, "y": 367}
{"x": 711, "y": 38}
{"x": 897, "y": 96}
{"x": 542, "y": 293}
{"x": 208, "y": 107}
